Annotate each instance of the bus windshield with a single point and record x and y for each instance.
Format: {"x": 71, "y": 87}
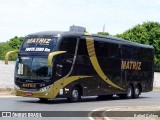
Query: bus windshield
{"x": 32, "y": 68}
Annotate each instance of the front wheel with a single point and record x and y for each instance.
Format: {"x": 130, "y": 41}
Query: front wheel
{"x": 75, "y": 95}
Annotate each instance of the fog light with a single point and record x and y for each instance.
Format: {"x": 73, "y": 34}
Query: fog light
{"x": 46, "y": 94}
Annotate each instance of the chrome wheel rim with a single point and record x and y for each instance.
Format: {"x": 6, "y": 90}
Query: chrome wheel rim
{"x": 129, "y": 92}
{"x": 75, "y": 94}
{"x": 137, "y": 91}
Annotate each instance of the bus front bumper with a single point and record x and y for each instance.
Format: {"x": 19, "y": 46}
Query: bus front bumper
{"x": 37, "y": 94}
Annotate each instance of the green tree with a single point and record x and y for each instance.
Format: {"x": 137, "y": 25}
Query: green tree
{"x": 103, "y": 33}
{"x": 12, "y": 44}
{"x": 15, "y": 42}
{"x": 146, "y": 33}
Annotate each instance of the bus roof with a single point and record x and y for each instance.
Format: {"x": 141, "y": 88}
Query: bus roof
{"x": 50, "y": 33}
{"x": 110, "y": 39}
{"x": 122, "y": 41}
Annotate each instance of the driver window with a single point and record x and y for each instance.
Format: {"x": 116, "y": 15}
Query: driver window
{"x": 64, "y": 61}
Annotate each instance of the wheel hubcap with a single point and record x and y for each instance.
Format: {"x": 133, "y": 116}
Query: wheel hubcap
{"x": 129, "y": 92}
{"x": 137, "y": 91}
{"x": 75, "y": 94}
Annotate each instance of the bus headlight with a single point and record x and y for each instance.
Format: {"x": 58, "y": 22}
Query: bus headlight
{"x": 45, "y": 88}
{"x": 17, "y": 87}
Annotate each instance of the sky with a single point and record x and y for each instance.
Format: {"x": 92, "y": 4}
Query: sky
{"x": 21, "y": 17}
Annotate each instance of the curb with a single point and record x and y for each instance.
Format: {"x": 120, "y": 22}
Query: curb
{"x": 7, "y": 96}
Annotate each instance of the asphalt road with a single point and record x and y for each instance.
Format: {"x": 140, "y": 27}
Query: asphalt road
{"x": 87, "y": 104}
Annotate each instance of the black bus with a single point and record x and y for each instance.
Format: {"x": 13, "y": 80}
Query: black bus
{"x": 74, "y": 64}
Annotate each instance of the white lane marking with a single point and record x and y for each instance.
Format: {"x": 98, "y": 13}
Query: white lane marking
{"x": 93, "y": 111}
{"x": 7, "y": 96}
{"x": 107, "y": 118}
{"x": 98, "y": 109}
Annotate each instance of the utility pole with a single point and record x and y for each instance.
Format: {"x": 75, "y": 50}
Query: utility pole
{"x": 103, "y": 27}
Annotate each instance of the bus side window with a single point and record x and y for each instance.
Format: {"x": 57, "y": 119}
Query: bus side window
{"x": 126, "y": 53}
{"x": 147, "y": 54}
{"x": 68, "y": 44}
{"x": 131, "y": 52}
{"x": 114, "y": 50}
{"x": 101, "y": 49}
{"x": 82, "y": 53}
{"x": 82, "y": 48}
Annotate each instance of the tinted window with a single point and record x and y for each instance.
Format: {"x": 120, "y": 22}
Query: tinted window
{"x": 147, "y": 54}
{"x": 114, "y": 50}
{"x": 68, "y": 44}
{"x": 130, "y": 52}
{"x": 137, "y": 53}
{"x": 82, "y": 48}
{"x": 82, "y": 54}
{"x": 101, "y": 49}
{"x": 105, "y": 49}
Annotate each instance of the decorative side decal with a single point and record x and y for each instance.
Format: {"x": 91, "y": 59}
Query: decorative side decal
{"x": 94, "y": 61}
{"x": 64, "y": 82}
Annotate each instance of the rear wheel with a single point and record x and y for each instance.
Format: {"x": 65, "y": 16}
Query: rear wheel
{"x": 137, "y": 92}
{"x": 129, "y": 93}
{"x": 75, "y": 95}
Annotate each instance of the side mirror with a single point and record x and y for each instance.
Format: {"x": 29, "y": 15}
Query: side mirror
{"x": 51, "y": 55}
{"x": 8, "y": 54}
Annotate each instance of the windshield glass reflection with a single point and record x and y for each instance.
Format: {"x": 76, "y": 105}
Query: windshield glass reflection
{"x": 32, "y": 68}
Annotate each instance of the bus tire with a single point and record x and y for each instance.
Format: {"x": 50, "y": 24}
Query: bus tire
{"x": 137, "y": 92}
{"x": 129, "y": 93}
{"x": 75, "y": 95}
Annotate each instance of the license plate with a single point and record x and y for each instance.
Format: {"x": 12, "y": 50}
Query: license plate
{"x": 29, "y": 94}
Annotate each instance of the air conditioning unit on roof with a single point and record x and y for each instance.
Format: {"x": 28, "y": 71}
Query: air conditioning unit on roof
{"x": 77, "y": 29}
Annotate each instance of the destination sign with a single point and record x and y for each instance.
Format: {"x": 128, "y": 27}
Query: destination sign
{"x": 39, "y": 40}
{"x": 37, "y": 49}
{"x": 39, "y": 44}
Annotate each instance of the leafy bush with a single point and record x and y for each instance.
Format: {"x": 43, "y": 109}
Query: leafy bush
{"x": 146, "y": 33}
